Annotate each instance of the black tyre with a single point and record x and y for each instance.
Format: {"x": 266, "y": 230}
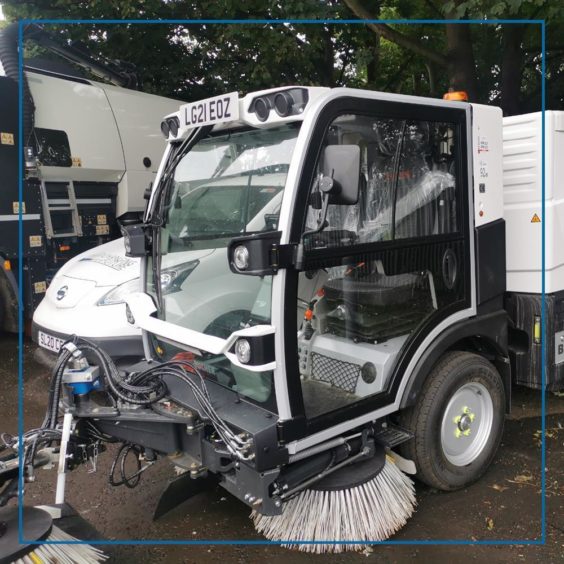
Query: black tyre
{"x": 457, "y": 421}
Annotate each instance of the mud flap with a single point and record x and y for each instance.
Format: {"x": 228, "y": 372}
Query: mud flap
{"x": 181, "y": 489}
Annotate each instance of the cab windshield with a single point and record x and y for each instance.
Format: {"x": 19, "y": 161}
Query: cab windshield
{"x": 227, "y": 185}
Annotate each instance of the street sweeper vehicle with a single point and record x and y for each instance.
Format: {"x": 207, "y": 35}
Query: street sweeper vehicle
{"x": 91, "y": 151}
{"x": 323, "y": 311}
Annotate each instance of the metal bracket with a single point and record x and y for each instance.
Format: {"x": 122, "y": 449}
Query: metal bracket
{"x": 282, "y": 256}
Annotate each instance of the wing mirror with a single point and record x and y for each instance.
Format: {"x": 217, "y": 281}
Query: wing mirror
{"x": 338, "y": 183}
{"x": 135, "y": 240}
{"x": 340, "y": 166}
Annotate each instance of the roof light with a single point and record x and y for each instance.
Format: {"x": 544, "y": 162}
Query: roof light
{"x": 456, "y": 96}
{"x": 262, "y": 109}
{"x": 173, "y": 125}
{"x": 283, "y": 103}
{"x": 165, "y": 128}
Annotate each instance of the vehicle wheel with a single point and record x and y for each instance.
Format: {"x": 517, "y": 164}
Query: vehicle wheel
{"x": 457, "y": 421}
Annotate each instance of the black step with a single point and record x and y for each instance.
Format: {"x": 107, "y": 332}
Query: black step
{"x": 392, "y": 435}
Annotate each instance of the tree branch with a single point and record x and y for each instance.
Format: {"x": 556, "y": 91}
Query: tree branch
{"x": 434, "y": 8}
{"x": 396, "y": 37}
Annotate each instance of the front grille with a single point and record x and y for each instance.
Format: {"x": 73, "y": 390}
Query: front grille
{"x": 343, "y": 375}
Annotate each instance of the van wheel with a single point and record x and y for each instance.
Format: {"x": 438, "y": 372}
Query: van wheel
{"x": 457, "y": 421}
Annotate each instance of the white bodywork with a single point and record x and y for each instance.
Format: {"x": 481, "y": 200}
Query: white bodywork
{"x": 88, "y": 277}
{"x": 487, "y": 154}
{"x": 522, "y": 190}
{"x": 110, "y": 131}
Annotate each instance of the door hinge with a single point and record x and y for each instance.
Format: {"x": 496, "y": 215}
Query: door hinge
{"x": 282, "y": 256}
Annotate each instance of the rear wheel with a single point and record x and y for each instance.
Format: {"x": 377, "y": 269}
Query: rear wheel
{"x": 457, "y": 421}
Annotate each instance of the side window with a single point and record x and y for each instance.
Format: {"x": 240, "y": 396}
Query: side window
{"x": 426, "y": 182}
{"x": 407, "y": 183}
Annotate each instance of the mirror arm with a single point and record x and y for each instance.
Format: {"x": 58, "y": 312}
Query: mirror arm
{"x": 322, "y": 222}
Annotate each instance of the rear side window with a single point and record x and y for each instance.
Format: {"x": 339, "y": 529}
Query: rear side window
{"x": 52, "y": 147}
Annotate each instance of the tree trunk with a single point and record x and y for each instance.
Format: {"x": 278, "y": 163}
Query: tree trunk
{"x": 373, "y": 66}
{"x": 511, "y": 69}
{"x": 461, "y": 64}
{"x": 432, "y": 79}
{"x": 328, "y": 60}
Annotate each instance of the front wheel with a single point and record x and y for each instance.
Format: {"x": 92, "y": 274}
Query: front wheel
{"x": 457, "y": 421}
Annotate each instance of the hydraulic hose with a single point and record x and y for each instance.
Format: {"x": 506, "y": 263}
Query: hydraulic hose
{"x": 9, "y": 60}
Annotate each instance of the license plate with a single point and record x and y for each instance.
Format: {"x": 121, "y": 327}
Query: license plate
{"x": 49, "y": 342}
{"x": 218, "y": 109}
{"x": 559, "y": 347}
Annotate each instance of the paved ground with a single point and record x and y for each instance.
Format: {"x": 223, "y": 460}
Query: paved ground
{"x": 505, "y": 504}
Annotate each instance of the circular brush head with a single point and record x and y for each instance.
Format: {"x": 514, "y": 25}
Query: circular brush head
{"x": 367, "y": 501}
{"x": 38, "y": 526}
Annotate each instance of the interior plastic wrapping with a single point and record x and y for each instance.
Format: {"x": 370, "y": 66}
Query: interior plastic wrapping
{"x": 415, "y": 216}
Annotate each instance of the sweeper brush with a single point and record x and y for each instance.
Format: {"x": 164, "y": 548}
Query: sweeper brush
{"x": 58, "y": 547}
{"x": 368, "y": 501}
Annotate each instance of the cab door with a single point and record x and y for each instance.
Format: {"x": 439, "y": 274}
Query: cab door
{"x": 383, "y": 274}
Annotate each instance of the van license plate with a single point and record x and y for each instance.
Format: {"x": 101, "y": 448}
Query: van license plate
{"x": 49, "y": 342}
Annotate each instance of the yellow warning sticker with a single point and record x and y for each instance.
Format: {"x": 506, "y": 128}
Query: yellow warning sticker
{"x": 35, "y": 241}
{"x": 101, "y": 219}
{"x": 6, "y": 138}
{"x": 535, "y": 219}
{"x": 76, "y": 161}
{"x": 40, "y": 287}
{"x": 16, "y": 207}
{"x": 102, "y": 229}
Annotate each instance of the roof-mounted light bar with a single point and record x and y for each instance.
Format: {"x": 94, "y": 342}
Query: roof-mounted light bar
{"x": 170, "y": 126}
{"x": 285, "y": 103}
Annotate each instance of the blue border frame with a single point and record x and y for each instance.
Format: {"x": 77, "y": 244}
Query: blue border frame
{"x": 541, "y": 541}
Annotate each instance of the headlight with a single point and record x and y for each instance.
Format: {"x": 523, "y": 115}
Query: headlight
{"x": 173, "y": 277}
{"x": 118, "y": 294}
{"x": 171, "y": 280}
{"x": 243, "y": 351}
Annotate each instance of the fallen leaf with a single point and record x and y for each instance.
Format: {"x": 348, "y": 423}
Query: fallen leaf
{"x": 489, "y": 524}
{"x": 522, "y": 478}
{"x": 499, "y": 488}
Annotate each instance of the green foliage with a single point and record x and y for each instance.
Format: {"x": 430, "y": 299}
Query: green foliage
{"x": 193, "y": 61}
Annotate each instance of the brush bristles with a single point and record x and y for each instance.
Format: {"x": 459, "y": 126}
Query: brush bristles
{"x": 372, "y": 511}
{"x": 63, "y": 553}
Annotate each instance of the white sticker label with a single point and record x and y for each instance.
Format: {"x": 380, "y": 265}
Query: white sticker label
{"x": 16, "y": 207}
{"x": 35, "y": 241}
{"x": 218, "y": 109}
{"x": 6, "y": 138}
{"x": 40, "y": 287}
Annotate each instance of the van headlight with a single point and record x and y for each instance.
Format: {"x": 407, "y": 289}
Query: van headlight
{"x": 171, "y": 280}
{"x": 173, "y": 277}
{"x": 118, "y": 294}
